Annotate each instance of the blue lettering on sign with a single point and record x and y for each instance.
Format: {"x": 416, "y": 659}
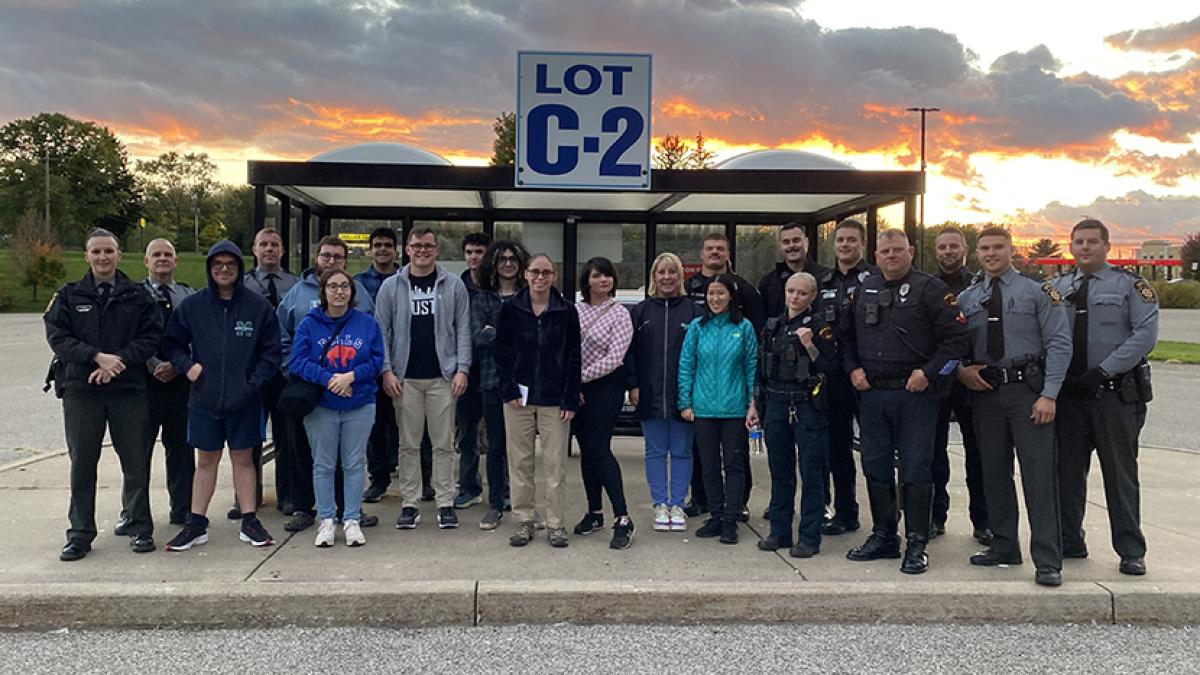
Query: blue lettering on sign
{"x": 542, "y": 87}
{"x": 538, "y": 133}
{"x": 571, "y": 81}
{"x": 609, "y": 163}
{"x": 618, "y": 73}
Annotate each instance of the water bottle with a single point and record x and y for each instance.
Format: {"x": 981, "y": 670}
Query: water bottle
{"x": 756, "y": 439}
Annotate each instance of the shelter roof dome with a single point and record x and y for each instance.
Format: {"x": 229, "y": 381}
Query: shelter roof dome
{"x": 381, "y": 153}
{"x": 783, "y": 159}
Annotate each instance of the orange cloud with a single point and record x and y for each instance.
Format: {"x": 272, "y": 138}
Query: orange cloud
{"x": 341, "y": 124}
{"x": 680, "y": 107}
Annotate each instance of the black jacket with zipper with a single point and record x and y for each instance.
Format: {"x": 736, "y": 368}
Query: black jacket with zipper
{"x": 539, "y": 351}
{"x": 652, "y": 362}
{"x": 129, "y": 325}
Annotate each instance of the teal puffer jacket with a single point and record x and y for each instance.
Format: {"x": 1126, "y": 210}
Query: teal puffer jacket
{"x": 717, "y": 366}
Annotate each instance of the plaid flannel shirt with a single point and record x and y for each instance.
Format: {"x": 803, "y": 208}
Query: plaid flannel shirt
{"x": 606, "y": 331}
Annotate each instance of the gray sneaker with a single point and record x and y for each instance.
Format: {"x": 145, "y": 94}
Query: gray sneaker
{"x": 490, "y": 520}
{"x": 558, "y": 537}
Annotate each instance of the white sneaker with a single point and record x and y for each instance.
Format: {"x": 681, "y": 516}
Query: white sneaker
{"x": 326, "y": 533}
{"x": 354, "y": 535}
{"x": 662, "y": 518}
{"x": 678, "y": 519}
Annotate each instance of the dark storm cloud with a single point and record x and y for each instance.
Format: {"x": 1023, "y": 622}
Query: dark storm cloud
{"x": 296, "y": 77}
{"x": 1176, "y": 36}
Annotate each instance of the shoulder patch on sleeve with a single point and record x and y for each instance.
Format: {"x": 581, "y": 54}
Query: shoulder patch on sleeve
{"x": 1052, "y": 293}
{"x": 1146, "y": 291}
{"x": 50, "y": 304}
{"x": 826, "y": 333}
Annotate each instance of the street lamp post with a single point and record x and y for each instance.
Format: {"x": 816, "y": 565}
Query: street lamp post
{"x": 921, "y": 217}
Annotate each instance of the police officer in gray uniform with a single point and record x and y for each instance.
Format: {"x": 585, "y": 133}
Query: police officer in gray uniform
{"x": 1020, "y": 349}
{"x": 1113, "y": 315}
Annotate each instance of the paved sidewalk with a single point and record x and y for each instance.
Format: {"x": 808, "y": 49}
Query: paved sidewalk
{"x": 468, "y": 576}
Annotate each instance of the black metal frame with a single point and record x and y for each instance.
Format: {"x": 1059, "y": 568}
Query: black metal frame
{"x": 866, "y": 191}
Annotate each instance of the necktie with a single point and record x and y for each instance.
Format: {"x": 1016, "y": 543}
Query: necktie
{"x": 272, "y": 291}
{"x": 164, "y": 294}
{"x": 995, "y": 331}
{"x": 105, "y": 290}
{"x": 1079, "y": 338}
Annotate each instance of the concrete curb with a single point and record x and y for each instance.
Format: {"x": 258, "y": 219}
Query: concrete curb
{"x": 108, "y": 605}
{"x": 465, "y": 603}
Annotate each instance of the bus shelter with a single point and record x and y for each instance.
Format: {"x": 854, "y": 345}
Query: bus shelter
{"x": 386, "y": 183}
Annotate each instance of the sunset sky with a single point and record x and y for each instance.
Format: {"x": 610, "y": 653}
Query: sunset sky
{"x": 1052, "y": 110}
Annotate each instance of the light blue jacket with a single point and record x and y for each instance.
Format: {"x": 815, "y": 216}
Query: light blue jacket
{"x": 717, "y": 366}
{"x": 301, "y": 299}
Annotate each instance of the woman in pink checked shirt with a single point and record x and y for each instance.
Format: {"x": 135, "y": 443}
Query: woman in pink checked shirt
{"x": 605, "y": 331}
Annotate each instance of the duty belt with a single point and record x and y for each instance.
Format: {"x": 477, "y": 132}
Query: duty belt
{"x": 1005, "y": 375}
{"x": 1113, "y": 384}
{"x": 888, "y": 382}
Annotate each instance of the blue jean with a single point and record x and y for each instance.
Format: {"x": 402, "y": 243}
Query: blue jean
{"x": 339, "y": 435}
{"x": 808, "y": 433}
{"x": 668, "y": 442}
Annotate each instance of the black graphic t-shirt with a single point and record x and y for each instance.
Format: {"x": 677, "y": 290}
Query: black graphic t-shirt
{"x": 422, "y": 352}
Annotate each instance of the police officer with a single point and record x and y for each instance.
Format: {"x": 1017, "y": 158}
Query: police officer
{"x": 796, "y": 357}
{"x": 167, "y": 391}
{"x": 793, "y": 248}
{"x": 950, "y": 246}
{"x": 102, "y": 328}
{"x": 1113, "y": 315}
{"x": 838, "y": 287}
{"x": 1020, "y": 348}
{"x": 906, "y": 336}
{"x": 272, "y": 281}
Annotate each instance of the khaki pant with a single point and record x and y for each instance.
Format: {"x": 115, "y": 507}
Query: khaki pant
{"x": 521, "y": 426}
{"x": 426, "y": 403}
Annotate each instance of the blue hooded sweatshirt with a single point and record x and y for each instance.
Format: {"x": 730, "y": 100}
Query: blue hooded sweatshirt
{"x": 358, "y": 348}
{"x": 235, "y": 340}
{"x": 302, "y": 298}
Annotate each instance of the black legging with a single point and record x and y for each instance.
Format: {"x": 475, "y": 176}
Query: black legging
{"x": 723, "y": 447}
{"x": 593, "y": 427}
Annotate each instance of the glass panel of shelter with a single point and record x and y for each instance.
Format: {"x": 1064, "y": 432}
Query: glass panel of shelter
{"x": 536, "y": 237}
{"x": 622, "y": 243}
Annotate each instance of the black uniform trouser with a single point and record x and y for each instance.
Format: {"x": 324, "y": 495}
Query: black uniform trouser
{"x": 85, "y": 417}
{"x": 1007, "y": 424}
{"x": 1111, "y": 427}
{"x": 797, "y": 437}
{"x": 283, "y": 486}
{"x": 383, "y": 449}
{"x": 724, "y": 447}
{"x": 593, "y": 427}
{"x": 841, "y": 475}
{"x": 167, "y": 410}
{"x": 897, "y": 423}
{"x": 959, "y": 404}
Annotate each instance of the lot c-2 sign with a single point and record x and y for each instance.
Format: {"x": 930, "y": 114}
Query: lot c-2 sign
{"x": 583, "y": 120}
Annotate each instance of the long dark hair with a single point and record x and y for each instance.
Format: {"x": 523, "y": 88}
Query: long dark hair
{"x": 324, "y": 281}
{"x": 603, "y": 266}
{"x": 735, "y": 306}
{"x": 489, "y": 276}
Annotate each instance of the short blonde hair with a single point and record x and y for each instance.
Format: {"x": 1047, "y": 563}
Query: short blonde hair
{"x": 668, "y": 258}
{"x": 806, "y": 277}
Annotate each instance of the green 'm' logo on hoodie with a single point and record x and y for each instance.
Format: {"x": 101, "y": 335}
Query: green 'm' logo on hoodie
{"x": 243, "y": 328}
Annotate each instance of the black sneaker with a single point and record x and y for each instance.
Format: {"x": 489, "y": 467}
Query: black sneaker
{"x": 589, "y": 524}
{"x": 446, "y": 518}
{"x": 255, "y": 534}
{"x": 188, "y": 537}
{"x": 374, "y": 493}
{"x": 121, "y": 529}
{"x": 367, "y": 520}
{"x": 74, "y": 550}
{"x": 729, "y": 533}
{"x": 711, "y": 528}
{"x": 409, "y": 517}
{"x": 141, "y": 543}
{"x": 622, "y": 533}
{"x": 234, "y": 512}
{"x": 693, "y": 509}
{"x": 300, "y": 521}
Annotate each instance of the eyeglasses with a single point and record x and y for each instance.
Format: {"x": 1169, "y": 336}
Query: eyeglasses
{"x": 508, "y": 260}
{"x": 344, "y": 286}
{"x": 383, "y": 244}
{"x": 540, "y": 273}
{"x": 331, "y": 257}
{"x": 222, "y": 265}
{"x": 422, "y": 247}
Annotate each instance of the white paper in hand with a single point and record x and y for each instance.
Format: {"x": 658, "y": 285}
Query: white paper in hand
{"x": 524, "y": 391}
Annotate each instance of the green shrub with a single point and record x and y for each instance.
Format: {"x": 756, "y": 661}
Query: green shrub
{"x": 1179, "y": 295}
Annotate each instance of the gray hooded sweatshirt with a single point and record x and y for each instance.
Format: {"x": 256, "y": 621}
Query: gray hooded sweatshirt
{"x": 452, "y": 322}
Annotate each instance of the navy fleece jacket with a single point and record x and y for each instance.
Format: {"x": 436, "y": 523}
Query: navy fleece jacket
{"x": 235, "y": 340}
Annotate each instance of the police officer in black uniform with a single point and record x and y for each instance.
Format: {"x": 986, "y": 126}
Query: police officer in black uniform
{"x": 950, "y": 247}
{"x": 796, "y": 357}
{"x": 838, "y": 287}
{"x": 907, "y": 336}
{"x": 1114, "y": 325}
{"x": 1020, "y": 348}
{"x": 793, "y": 247}
{"x": 714, "y": 254}
{"x": 102, "y": 329}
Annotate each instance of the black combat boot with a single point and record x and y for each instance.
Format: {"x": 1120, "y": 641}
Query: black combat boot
{"x": 883, "y": 542}
{"x": 918, "y": 516}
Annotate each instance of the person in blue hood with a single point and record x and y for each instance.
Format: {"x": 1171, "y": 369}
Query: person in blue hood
{"x": 225, "y": 339}
{"x": 341, "y": 349}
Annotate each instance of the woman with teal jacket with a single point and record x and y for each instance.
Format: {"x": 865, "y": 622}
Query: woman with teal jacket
{"x": 716, "y": 384}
